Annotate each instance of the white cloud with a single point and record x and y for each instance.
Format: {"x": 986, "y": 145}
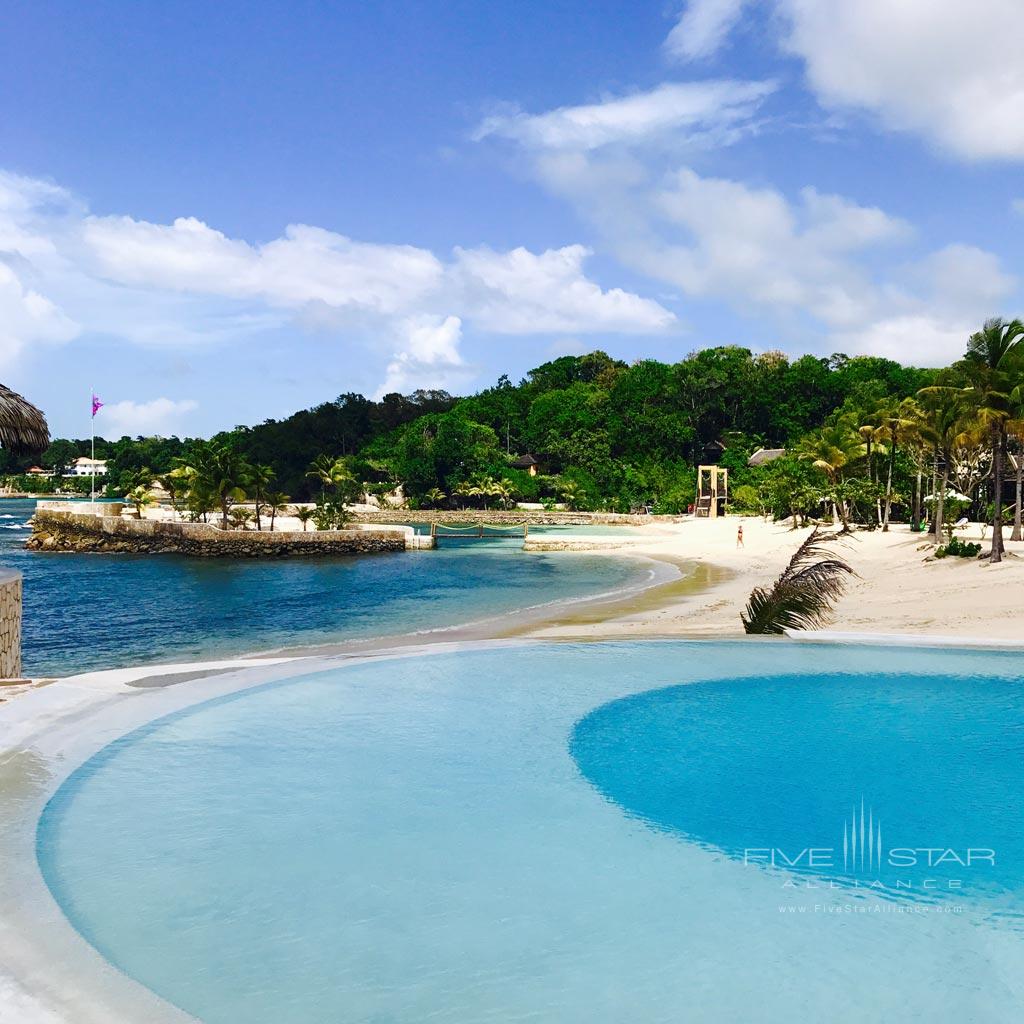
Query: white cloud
{"x": 821, "y": 266}
{"x": 947, "y": 70}
{"x": 63, "y": 270}
{"x": 521, "y": 292}
{"x": 307, "y": 265}
{"x": 160, "y": 416}
{"x": 27, "y": 318}
{"x": 756, "y": 247}
{"x": 429, "y": 358}
{"x": 1017, "y": 206}
{"x": 917, "y": 339}
{"x": 703, "y": 27}
{"x": 673, "y": 109}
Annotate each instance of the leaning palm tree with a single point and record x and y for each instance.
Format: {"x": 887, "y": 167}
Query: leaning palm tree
{"x": 22, "y": 426}
{"x": 804, "y": 594}
{"x": 992, "y": 363}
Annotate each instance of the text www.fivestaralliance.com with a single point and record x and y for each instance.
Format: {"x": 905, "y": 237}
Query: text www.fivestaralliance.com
{"x": 852, "y": 908}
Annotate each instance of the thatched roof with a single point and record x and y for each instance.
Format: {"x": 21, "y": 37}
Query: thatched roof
{"x": 22, "y": 426}
{"x": 763, "y": 455}
{"x": 524, "y": 462}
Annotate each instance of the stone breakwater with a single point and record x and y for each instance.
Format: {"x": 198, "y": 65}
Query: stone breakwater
{"x": 512, "y": 517}
{"x": 70, "y": 531}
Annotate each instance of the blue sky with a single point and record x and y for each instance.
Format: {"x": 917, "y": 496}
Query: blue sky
{"x": 220, "y": 213}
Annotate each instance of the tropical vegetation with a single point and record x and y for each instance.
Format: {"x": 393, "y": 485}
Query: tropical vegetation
{"x": 865, "y": 440}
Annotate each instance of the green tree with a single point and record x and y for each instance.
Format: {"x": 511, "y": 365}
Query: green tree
{"x": 992, "y": 365}
{"x": 305, "y": 515}
{"x": 276, "y": 504}
{"x": 260, "y": 479}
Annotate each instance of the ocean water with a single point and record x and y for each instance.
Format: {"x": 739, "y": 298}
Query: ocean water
{"x": 563, "y": 833}
{"x": 88, "y": 611}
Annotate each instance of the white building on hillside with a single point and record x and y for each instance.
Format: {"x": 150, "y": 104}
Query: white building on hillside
{"x": 84, "y": 466}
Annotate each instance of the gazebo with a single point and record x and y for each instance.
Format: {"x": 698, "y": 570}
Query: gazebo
{"x": 527, "y": 462}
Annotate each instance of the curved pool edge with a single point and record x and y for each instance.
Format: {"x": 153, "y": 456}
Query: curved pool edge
{"x": 51, "y": 974}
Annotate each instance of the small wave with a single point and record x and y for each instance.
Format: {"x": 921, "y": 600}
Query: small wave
{"x": 15, "y": 526}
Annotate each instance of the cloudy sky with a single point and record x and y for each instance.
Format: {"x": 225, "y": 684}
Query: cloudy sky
{"x": 218, "y": 213}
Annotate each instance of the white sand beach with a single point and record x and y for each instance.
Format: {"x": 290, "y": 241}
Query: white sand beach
{"x": 899, "y": 589}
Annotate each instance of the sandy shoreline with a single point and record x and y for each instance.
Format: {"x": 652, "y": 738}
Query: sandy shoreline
{"x": 900, "y": 588}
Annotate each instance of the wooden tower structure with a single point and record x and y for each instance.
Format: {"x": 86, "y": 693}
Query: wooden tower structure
{"x": 712, "y": 492}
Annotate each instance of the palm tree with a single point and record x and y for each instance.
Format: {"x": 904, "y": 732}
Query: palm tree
{"x": 504, "y": 490}
{"x": 240, "y": 518}
{"x": 141, "y": 497}
{"x": 434, "y": 496}
{"x": 333, "y": 474}
{"x": 571, "y": 494}
{"x": 1018, "y": 459}
{"x": 803, "y": 595}
{"x": 304, "y": 514}
{"x": 22, "y": 426}
{"x": 830, "y": 450}
{"x": 260, "y": 479}
{"x": 942, "y": 423}
{"x": 1016, "y": 427}
{"x": 482, "y": 487}
{"x": 992, "y": 363}
{"x": 898, "y": 421}
{"x": 221, "y": 473}
{"x": 463, "y": 490}
{"x": 175, "y": 483}
{"x": 276, "y": 504}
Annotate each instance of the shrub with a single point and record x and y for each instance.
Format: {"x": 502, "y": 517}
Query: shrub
{"x": 959, "y": 549}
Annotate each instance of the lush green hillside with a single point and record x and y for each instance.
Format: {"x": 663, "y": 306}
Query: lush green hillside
{"x": 610, "y": 434}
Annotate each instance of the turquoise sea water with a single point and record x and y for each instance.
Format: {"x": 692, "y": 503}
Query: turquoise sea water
{"x": 101, "y": 611}
{"x": 563, "y": 833}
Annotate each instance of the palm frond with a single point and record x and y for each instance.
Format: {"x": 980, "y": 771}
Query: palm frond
{"x": 803, "y": 595}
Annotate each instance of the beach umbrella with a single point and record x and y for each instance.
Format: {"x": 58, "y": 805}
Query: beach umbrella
{"x": 951, "y": 495}
{"x": 22, "y": 426}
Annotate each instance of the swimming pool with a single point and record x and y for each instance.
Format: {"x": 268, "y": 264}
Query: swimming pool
{"x": 543, "y": 832}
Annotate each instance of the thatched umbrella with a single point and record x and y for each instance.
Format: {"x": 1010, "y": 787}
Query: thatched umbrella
{"x": 22, "y": 426}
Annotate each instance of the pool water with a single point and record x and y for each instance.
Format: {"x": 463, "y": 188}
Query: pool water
{"x": 89, "y": 611}
{"x": 564, "y": 833}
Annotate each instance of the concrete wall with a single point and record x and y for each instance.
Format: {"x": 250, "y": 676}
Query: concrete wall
{"x": 74, "y": 531}
{"x": 99, "y": 508}
{"x": 10, "y": 624}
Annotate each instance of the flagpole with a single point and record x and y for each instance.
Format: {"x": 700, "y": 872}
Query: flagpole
{"x": 92, "y": 446}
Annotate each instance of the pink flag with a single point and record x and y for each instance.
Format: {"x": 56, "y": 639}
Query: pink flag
{"x": 96, "y": 405}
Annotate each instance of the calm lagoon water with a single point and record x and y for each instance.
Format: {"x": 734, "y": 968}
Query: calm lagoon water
{"x": 562, "y": 833}
{"x": 101, "y": 611}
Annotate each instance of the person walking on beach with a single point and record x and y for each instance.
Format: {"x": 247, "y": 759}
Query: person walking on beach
{"x": 739, "y": 536}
